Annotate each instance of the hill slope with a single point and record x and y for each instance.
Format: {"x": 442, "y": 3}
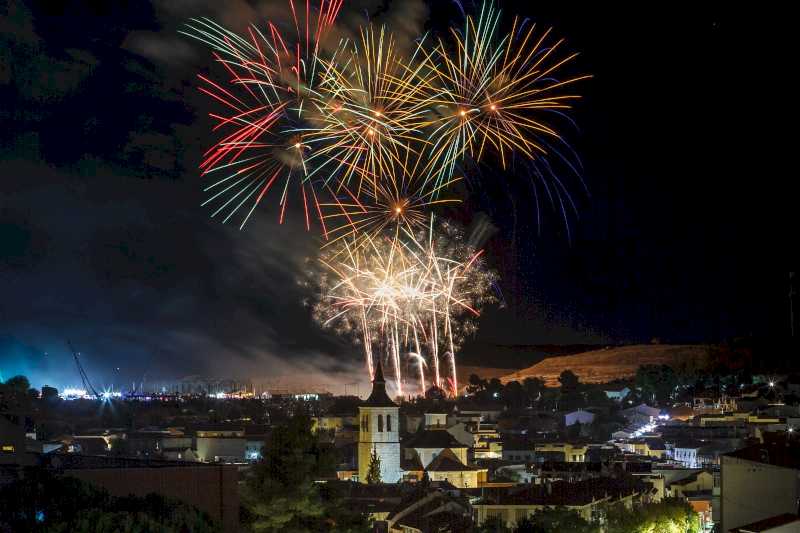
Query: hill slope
{"x": 608, "y": 364}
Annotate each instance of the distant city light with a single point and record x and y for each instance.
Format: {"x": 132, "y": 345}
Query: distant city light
{"x": 74, "y": 394}
{"x": 306, "y": 397}
{"x": 107, "y": 395}
{"x": 771, "y": 383}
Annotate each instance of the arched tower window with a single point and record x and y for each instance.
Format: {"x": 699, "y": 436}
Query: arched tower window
{"x": 388, "y": 422}
{"x": 380, "y": 423}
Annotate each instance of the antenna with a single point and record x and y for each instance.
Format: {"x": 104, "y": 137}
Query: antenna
{"x": 791, "y": 303}
{"x": 84, "y": 378}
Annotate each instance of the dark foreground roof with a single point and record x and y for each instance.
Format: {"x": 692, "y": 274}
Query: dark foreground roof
{"x": 70, "y": 461}
{"x": 433, "y": 438}
{"x": 569, "y": 494}
{"x": 776, "y": 454}
{"x": 767, "y": 524}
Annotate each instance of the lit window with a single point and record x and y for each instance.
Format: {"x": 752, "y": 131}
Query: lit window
{"x": 8, "y": 448}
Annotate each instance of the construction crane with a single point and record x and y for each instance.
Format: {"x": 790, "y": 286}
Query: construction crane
{"x": 87, "y": 385}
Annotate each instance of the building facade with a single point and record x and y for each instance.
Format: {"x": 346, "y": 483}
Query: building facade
{"x": 759, "y": 482}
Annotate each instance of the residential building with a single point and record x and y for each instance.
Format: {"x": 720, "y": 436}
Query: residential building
{"x": 702, "y": 480}
{"x": 210, "y": 488}
{"x": 588, "y": 498}
{"x": 578, "y": 417}
{"x": 617, "y": 393}
{"x": 758, "y": 482}
{"x": 446, "y": 466}
{"x": 560, "y": 451}
{"x": 431, "y": 511}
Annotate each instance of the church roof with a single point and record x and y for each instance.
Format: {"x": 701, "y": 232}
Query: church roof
{"x": 448, "y": 462}
{"x": 411, "y": 465}
{"x": 433, "y": 438}
{"x": 378, "y": 397}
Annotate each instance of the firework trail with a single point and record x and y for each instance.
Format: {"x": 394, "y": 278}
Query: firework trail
{"x": 263, "y": 107}
{"x": 368, "y": 134}
{"x": 497, "y": 90}
{"x": 404, "y": 300}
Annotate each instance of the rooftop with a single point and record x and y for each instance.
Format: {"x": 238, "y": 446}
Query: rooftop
{"x": 448, "y": 462}
{"x": 432, "y": 438}
{"x": 775, "y": 454}
{"x": 767, "y": 524}
{"x": 78, "y": 462}
{"x": 569, "y": 494}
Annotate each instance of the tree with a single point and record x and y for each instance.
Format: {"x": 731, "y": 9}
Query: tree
{"x": 16, "y": 395}
{"x": 374, "y": 472}
{"x": 281, "y": 493}
{"x": 670, "y": 514}
{"x": 476, "y": 384}
{"x": 596, "y": 397}
{"x": 43, "y": 502}
{"x": 18, "y": 384}
{"x": 568, "y": 380}
{"x": 555, "y": 520}
{"x": 514, "y": 395}
{"x": 493, "y": 524}
{"x": 533, "y": 388}
{"x": 657, "y": 382}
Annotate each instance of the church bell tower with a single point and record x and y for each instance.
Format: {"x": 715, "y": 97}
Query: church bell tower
{"x": 379, "y": 423}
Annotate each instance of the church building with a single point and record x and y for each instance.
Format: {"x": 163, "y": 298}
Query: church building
{"x": 379, "y": 419}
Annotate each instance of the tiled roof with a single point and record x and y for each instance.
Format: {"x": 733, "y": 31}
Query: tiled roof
{"x": 448, "y": 462}
{"x": 432, "y": 438}
{"x": 563, "y": 493}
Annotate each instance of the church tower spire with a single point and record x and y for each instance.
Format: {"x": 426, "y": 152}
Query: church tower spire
{"x": 378, "y": 397}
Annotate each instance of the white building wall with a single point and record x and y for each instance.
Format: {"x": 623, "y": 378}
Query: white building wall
{"x": 386, "y": 443}
{"x": 220, "y": 449}
{"x": 752, "y": 491}
{"x": 435, "y": 420}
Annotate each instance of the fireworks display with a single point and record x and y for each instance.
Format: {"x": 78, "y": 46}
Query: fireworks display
{"x": 407, "y": 295}
{"x": 369, "y": 139}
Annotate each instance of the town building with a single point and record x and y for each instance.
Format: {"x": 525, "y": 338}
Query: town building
{"x": 759, "y": 482}
{"x": 588, "y": 498}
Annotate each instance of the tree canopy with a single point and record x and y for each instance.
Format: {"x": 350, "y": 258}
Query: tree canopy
{"x": 281, "y": 494}
{"x": 42, "y": 502}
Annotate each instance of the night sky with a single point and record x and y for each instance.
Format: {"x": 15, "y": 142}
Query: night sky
{"x": 679, "y": 233}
